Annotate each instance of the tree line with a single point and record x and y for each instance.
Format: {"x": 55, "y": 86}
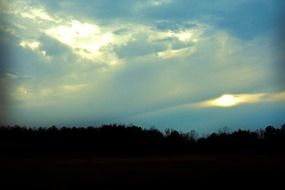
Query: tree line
{"x": 122, "y": 139}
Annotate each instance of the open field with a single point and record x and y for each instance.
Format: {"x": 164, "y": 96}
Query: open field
{"x": 65, "y": 172}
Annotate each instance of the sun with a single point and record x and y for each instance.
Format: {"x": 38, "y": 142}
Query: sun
{"x": 227, "y": 100}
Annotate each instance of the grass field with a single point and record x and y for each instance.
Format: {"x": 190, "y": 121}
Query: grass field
{"x": 89, "y": 172}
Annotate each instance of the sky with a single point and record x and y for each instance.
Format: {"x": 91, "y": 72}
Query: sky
{"x": 188, "y": 65}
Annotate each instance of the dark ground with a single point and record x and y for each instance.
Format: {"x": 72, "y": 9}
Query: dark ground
{"x": 142, "y": 172}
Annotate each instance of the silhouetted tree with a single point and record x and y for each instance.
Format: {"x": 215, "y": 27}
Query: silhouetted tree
{"x": 116, "y": 138}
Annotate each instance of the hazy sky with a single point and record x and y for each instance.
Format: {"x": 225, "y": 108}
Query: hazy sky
{"x": 182, "y": 64}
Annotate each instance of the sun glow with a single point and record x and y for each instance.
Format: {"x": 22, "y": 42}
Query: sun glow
{"x": 230, "y": 100}
{"x": 227, "y": 100}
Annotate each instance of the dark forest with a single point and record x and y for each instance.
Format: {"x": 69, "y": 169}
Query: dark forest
{"x": 121, "y": 139}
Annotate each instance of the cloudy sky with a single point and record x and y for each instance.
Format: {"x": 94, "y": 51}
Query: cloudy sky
{"x": 182, "y": 64}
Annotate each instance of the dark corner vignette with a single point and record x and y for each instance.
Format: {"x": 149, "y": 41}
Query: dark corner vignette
{"x": 119, "y": 155}
{"x": 5, "y": 63}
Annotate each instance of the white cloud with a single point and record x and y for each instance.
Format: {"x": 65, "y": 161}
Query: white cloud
{"x": 187, "y": 36}
{"x": 147, "y": 41}
{"x": 36, "y": 13}
{"x": 97, "y": 43}
{"x": 26, "y": 10}
{"x": 142, "y": 5}
{"x": 31, "y": 44}
{"x": 159, "y": 2}
{"x": 74, "y": 87}
{"x": 75, "y": 31}
{"x": 35, "y": 46}
{"x": 21, "y": 92}
{"x": 28, "y": 95}
{"x": 89, "y": 41}
{"x": 86, "y": 40}
{"x": 278, "y": 97}
{"x": 174, "y": 53}
{"x": 94, "y": 43}
{"x": 11, "y": 76}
